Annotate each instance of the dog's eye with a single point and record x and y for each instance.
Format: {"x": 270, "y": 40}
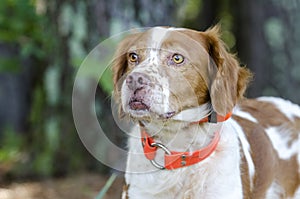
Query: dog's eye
{"x": 133, "y": 57}
{"x": 177, "y": 58}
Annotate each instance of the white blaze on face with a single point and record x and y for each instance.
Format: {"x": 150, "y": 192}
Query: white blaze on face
{"x": 157, "y": 37}
{"x": 155, "y": 42}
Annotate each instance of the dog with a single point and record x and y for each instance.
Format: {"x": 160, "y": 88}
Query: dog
{"x": 196, "y": 135}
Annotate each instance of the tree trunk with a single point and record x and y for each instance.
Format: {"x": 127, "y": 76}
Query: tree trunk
{"x": 266, "y": 43}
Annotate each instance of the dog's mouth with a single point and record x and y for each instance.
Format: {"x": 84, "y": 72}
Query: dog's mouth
{"x": 142, "y": 108}
{"x": 138, "y": 105}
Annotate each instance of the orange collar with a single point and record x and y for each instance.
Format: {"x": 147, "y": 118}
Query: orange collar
{"x": 174, "y": 159}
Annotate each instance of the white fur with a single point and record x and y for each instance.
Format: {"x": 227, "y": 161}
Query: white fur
{"x": 158, "y": 34}
{"x": 194, "y": 114}
{"x": 275, "y": 192}
{"x": 280, "y": 142}
{"x": 237, "y": 111}
{"x": 297, "y": 194}
{"x": 246, "y": 150}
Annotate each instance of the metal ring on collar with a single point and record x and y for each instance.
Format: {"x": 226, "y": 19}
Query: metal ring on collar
{"x": 165, "y": 149}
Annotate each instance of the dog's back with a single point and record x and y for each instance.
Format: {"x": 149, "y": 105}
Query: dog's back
{"x": 271, "y": 147}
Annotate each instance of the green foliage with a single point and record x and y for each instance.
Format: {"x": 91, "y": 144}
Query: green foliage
{"x": 44, "y": 162}
{"x": 17, "y": 20}
{"x": 20, "y": 26}
{"x": 106, "y": 81}
{"x": 10, "y": 147}
{"x": 9, "y": 64}
{"x": 190, "y": 9}
{"x": 37, "y": 108}
{"x": 55, "y": 146}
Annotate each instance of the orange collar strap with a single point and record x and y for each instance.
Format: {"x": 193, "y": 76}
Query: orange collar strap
{"x": 174, "y": 159}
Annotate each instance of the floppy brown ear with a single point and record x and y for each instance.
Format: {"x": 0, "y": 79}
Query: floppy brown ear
{"x": 229, "y": 82}
{"x": 119, "y": 63}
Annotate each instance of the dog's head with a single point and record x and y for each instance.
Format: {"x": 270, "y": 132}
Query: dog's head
{"x": 163, "y": 71}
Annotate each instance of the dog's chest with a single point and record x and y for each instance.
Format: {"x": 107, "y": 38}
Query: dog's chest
{"x": 203, "y": 180}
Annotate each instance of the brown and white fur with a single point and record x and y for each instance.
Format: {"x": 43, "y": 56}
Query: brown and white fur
{"x": 258, "y": 153}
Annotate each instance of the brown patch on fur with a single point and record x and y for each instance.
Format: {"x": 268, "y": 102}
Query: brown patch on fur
{"x": 287, "y": 175}
{"x": 265, "y": 113}
{"x": 295, "y": 130}
{"x": 245, "y": 176}
{"x": 297, "y": 124}
{"x": 196, "y": 88}
{"x": 263, "y": 155}
{"x": 200, "y": 88}
{"x": 230, "y": 81}
{"x": 125, "y": 191}
{"x": 291, "y": 179}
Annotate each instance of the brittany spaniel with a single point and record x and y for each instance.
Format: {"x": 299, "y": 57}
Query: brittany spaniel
{"x": 195, "y": 134}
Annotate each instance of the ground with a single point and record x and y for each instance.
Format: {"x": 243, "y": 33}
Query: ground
{"x": 82, "y": 186}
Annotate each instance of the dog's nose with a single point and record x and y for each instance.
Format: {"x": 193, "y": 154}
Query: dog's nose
{"x": 137, "y": 80}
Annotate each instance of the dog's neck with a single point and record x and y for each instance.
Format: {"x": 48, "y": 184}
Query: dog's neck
{"x": 181, "y": 121}
{"x": 194, "y": 114}
{"x": 180, "y": 134}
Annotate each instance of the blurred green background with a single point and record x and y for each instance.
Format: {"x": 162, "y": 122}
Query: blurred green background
{"x": 43, "y": 42}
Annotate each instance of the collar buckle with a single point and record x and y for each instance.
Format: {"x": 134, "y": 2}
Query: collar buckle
{"x": 165, "y": 149}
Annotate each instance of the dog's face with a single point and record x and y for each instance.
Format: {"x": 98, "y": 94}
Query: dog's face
{"x": 163, "y": 71}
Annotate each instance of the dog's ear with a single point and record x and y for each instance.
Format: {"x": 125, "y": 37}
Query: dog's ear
{"x": 119, "y": 64}
{"x": 229, "y": 81}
